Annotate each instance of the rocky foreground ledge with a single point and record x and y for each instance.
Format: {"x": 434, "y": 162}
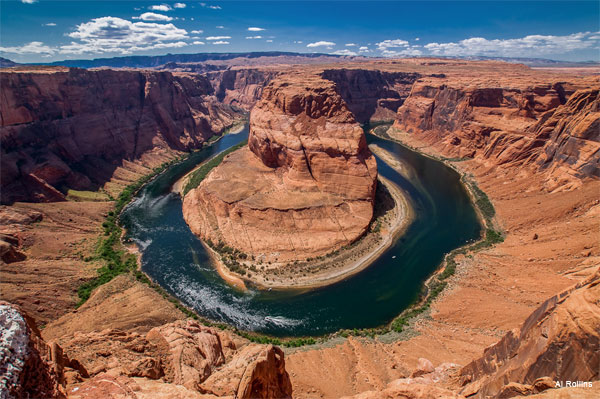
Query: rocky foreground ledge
{"x": 302, "y": 188}
{"x": 183, "y": 359}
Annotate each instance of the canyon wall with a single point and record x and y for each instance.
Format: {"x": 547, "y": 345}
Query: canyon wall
{"x": 372, "y": 94}
{"x": 71, "y": 128}
{"x": 550, "y": 125}
{"x": 305, "y": 184}
{"x": 558, "y": 342}
{"x": 240, "y": 87}
{"x": 569, "y": 136}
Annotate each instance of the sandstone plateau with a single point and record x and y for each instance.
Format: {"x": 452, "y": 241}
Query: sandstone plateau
{"x": 514, "y": 317}
{"x": 303, "y": 187}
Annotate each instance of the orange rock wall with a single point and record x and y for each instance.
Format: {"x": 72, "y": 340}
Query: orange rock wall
{"x": 72, "y": 128}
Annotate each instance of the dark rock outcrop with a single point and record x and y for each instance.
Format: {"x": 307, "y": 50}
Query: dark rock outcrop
{"x": 372, "y": 94}
{"x": 30, "y": 367}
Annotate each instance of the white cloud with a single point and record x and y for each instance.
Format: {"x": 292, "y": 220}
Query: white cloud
{"x": 220, "y": 27}
{"x": 220, "y": 42}
{"x": 255, "y": 29}
{"x": 412, "y": 52}
{"x": 350, "y": 44}
{"x": 29, "y": 2}
{"x": 211, "y": 7}
{"x": 528, "y": 46}
{"x": 112, "y": 34}
{"x": 253, "y": 37}
{"x": 218, "y": 37}
{"x": 321, "y": 44}
{"x": 364, "y": 49}
{"x": 298, "y": 42}
{"x": 197, "y": 31}
{"x": 395, "y": 43}
{"x": 50, "y": 24}
{"x": 29, "y": 48}
{"x": 198, "y": 42}
{"x": 397, "y": 48}
{"x": 417, "y": 39}
{"x": 269, "y": 41}
{"x": 344, "y": 52}
{"x": 179, "y": 5}
{"x": 151, "y": 16}
{"x": 162, "y": 7}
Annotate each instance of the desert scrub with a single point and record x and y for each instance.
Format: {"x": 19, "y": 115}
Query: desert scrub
{"x": 199, "y": 175}
{"x": 482, "y": 201}
{"x": 109, "y": 251}
{"x": 287, "y": 342}
{"x": 82, "y": 196}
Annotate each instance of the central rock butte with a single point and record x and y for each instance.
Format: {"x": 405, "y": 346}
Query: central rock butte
{"x": 303, "y": 187}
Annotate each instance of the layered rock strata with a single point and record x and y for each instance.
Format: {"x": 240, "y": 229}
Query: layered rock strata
{"x": 467, "y": 117}
{"x": 241, "y": 87}
{"x": 569, "y": 136}
{"x": 559, "y": 342}
{"x": 303, "y": 187}
{"x": 70, "y": 128}
{"x": 549, "y": 125}
{"x": 372, "y": 94}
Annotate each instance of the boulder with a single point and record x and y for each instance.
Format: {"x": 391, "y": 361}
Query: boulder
{"x": 190, "y": 351}
{"x": 255, "y": 372}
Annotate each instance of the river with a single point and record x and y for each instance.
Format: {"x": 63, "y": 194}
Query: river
{"x": 174, "y": 258}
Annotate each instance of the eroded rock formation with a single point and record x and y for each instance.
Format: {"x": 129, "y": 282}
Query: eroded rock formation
{"x": 178, "y": 360}
{"x": 71, "y": 128}
{"x": 570, "y": 137}
{"x": 30, "y": 367}
{"x": 303, "y": 187}
{"x": 372, "y": 94}
{"x": 255, "y": 373}
{"x": 559, "y": 341}
{"x": 522, "y": 124}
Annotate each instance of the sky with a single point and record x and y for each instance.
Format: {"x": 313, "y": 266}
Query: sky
{"x": 46, "y": 30}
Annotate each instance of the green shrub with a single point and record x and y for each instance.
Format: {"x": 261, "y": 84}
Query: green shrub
{"x": 197, "y": 176}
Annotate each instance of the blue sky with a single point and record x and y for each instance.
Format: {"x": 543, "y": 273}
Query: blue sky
{"x": 40, "y": 30}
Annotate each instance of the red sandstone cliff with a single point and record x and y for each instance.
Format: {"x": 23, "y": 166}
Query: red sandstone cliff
{"x": 372, "y": 94}
{"x": 71, "y": 128}
{"x": 241, "y": 87}
{"x": 465, "y": 117}
{"x": 570, "y": 136}
{"x": 303, "y": 187}
{"x": 559, "y": 342}
{"x": 517, "y": 125}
